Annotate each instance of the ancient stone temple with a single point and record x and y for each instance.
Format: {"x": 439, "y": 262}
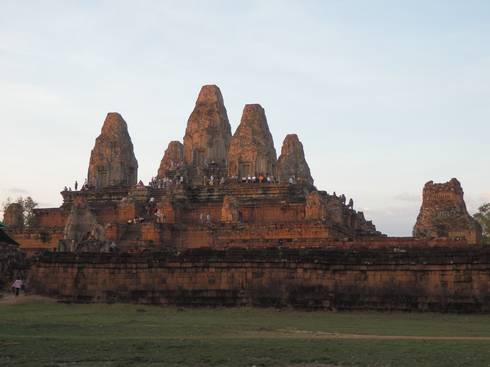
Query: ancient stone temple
{"x": 172, "y": 161}
{"x": 443, "y": 213}
{"x": 112, "y": 161}
{"x": 199, "y": 197}
{"x": 252, "y": 151}
{"x": 225, "y": 223}
{"x": 217, "y": 191}
{"x": 291, "y": 164}
{"x": 207, "y": 136}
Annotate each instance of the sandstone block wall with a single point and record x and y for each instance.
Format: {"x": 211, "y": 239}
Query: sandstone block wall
{"x": 439, "y": 279}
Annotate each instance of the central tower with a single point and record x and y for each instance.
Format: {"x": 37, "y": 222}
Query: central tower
{"x": 207, "y": 136}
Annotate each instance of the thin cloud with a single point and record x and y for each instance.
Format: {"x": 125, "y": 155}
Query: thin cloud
{"x": 474, "y": 202}
{"x": 18, "y": 190}
{"x": 485, "y": 197}
{"x": 405, "y": 196}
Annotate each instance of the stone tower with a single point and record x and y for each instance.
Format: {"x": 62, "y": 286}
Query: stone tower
{"x": 443, "y": 213}
{"x": 112, "y": 162}
{"x": 13, "y": 216}
{"x": 292, "y": 162}
{"x": 207, "y": 136}
{"x": 172, "y": 160}
{"x": 252, "y": 149}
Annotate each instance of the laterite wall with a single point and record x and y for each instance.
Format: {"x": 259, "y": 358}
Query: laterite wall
{"x": 435, "y": 279}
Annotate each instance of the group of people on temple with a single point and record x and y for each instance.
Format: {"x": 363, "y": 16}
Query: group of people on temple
{"x": 179, "y": 180}
{"x": 260, "y": 178}
{"x": 84, "y": 187}
{"x": 165, "y": 182}
{"x": 205, "y": 218}
{"x": 151, "y": 210}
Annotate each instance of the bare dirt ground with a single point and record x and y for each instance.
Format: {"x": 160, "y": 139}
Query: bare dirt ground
{"x": 10, "y": 299}
{"x": 295, "y": 333}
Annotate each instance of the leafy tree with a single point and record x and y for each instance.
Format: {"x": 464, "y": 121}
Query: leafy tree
{"x": 483, "y": 217}
{"x": 28, "y": 205}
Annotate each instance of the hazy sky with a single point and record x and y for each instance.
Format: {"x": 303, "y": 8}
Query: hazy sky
{"x": 385, "y": 95}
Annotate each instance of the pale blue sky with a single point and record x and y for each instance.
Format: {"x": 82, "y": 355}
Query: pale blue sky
{"x": 385, "y": 95}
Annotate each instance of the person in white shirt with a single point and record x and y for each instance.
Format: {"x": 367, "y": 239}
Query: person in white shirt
{"x": 17, "y": 286}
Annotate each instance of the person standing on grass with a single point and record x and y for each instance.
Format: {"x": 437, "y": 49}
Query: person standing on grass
{"x": 17, "y": 286}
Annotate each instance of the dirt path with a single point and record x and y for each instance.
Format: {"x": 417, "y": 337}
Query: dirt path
{"x": 10, "y": 299}
{"x": 293, "y": 333}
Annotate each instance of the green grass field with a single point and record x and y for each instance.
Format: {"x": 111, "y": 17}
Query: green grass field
{"x": 44, "y": 333}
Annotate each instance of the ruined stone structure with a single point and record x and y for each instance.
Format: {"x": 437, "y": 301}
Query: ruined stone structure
{"x": 81, "y": 228}
{"x": 207, "y": 136}
{"x": 112, "y": 162}
{"x": 443, "y": 213}
{"x": 252, "y": 151}
{"x": 14, "y": 216}
{"x": 231, "y": 195}
{"x": 292, "y": 163}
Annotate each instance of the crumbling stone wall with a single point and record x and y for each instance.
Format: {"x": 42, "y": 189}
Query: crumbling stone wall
{"x": 439, "y": 279}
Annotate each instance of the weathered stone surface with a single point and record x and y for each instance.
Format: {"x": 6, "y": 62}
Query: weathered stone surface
{"x": 252, "y": 151}
{"x": 424, "y": 279}
{"x": 112, "y": 162}
{"x": 166, "y": 212}
{"x": 316, "y": 206}
{"x": 81, "y": 226}
{"x": 208, "y": 133}
{"x": 172, "y": 160}
{"x": 292, "y": 162}
{"x": 230, "y": 212}
{"x": 13, "y": 217}
{"x": 443, "y": 213}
